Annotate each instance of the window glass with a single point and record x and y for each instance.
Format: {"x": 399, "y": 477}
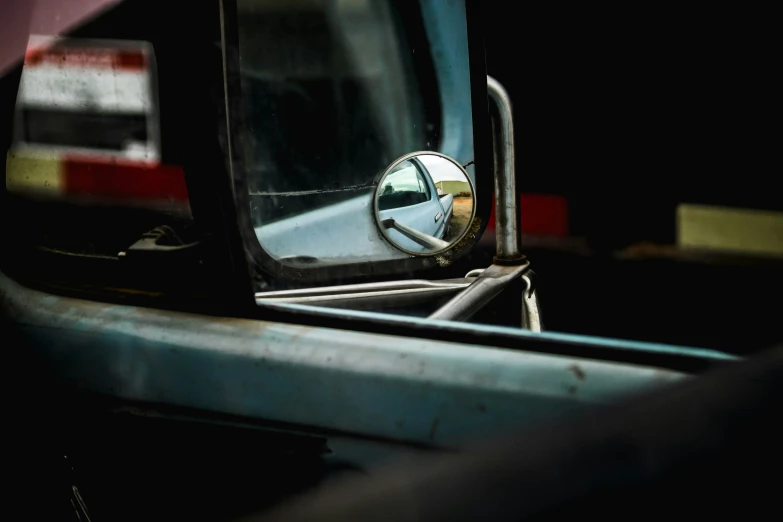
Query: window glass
{"x": 403, "y": 187}
{"x": 423, "y": 186}
{"x": 333, "y": 93}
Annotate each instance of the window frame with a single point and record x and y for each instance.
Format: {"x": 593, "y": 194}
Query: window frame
{"x": 263, "y": 267}
{"x": 422, "y": 181}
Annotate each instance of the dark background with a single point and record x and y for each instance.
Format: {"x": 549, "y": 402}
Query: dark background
{"x": 627, "y": 111}
{"x": 630, "y": 111}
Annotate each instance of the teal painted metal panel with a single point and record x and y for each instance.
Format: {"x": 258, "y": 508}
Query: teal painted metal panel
{"x": 586, "y": 340}
{"x": 387, "y": 386}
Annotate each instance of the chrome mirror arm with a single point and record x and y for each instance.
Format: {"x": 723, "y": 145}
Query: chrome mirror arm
{"x": 507, "y": 226}
{"x": 479, "y": 287}
{"x": 509, "y": 263}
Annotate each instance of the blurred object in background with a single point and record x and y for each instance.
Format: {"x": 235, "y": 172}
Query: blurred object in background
{"x": 101, "y": 118}
{"x": 730, "y": 230}
{"x": 95, "y": 97}
{"x": 86, "y": 127}
{"x": 622, "y": 128}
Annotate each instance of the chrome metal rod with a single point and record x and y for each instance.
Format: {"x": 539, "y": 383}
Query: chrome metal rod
{"x": 407, "y": 284}
{"x": 531, "y": 312}
{"x": 507, "y": 226}
{"x": 370, "y": 295}
{"x": 490, "y": 283}
{"x": 421, "y": 238}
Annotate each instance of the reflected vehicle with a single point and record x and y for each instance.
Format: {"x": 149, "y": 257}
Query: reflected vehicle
{"x": 415, "y": 203}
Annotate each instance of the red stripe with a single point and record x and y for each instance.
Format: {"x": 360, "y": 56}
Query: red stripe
{"x": 542, "y": 215}
{"x": 130, "y": 60}
{"x": 101, "y": 58}
{"x": 123, "y": 180}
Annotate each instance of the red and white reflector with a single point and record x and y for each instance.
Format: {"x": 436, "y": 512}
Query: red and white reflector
{"x": 87, "y": 128}
{"x": 88, "y": 180}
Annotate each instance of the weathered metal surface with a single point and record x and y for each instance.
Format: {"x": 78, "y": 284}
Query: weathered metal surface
{"x": 520, "y": 335}
{"x": 387, "y": 386}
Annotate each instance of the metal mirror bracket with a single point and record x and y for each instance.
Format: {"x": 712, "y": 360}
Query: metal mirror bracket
{"x": 479, "y": 287}
{"x": 369, "y": 296}
{"x": 507, "y": 229}
{"x": 509, "y": 264}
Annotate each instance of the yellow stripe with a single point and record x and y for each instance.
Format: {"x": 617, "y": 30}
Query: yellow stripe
{"x": 32, "y": 175}
{"x": 730, "y": 229}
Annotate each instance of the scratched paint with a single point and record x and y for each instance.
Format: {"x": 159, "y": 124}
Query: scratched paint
{"x": 400, "y": 388}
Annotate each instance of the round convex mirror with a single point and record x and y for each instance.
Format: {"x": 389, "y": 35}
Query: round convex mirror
{"x": 424, "y": 203}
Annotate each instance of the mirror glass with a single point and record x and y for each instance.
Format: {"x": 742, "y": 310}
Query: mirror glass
{"x": 424, "y": 203}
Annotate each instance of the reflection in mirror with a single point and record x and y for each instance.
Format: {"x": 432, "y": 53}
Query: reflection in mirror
{"x": 424, "y": 203}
